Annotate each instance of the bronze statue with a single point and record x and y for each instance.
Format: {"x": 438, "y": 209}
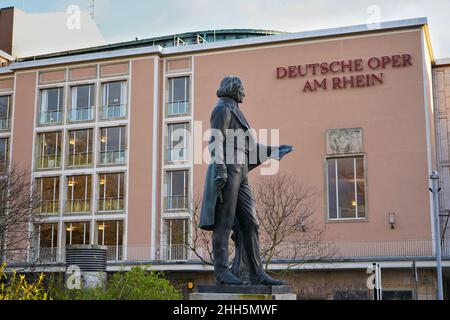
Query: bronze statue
{"x": 227, "y": 200}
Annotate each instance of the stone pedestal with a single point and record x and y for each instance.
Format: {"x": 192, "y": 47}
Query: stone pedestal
{"x": 246, "y": 292}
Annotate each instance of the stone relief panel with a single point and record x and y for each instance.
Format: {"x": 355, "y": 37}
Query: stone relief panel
{"x": 344, "y": 141}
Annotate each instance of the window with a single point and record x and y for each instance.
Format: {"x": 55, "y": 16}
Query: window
{"x": 177, "y": 233}
{"x": 77, "y": 233}
{"x": 111, "y": 192}
{"x": 80, "y": 148}
{"x": 177, "y": 142}
{"x": 48, "y": 191}
{"x": 79, "y": 194}
{"x": 110, "y": 234}
{"x": 178, "y": 96}
{"x": 46, "y": 242}
{"x": 82, "y": 106}
{"x": 4, "y": 154}
{"x": 112, "y": 145}
{"x": 346, "y": 188}
{"x": 5, "y": 111}
{"x": 177, "y": 190}
{"x": 114, "y": 100}
{"x": 49, "y": 150}
{"x": 51, "y": 106}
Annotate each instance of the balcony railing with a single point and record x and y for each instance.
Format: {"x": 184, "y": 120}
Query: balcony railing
{"x": 112, "y": 157}
{"x": 49, "y": 162}
{"x": 50, "y": 117}
{"x": 177, "y": 108}
{"x": 44, "y": 255}
{"x": 111, "y": 204}
{"x": 176, "y": 202}
{"x": 48, "y": 207}
{"x": 81, "y": 114}
{"x": 113, "y": 112}
{"x": 78, "y": 206}
{"x": 79, "y": 159}
{"x": 177, "y": 154}
{"x": 4, "y": 123}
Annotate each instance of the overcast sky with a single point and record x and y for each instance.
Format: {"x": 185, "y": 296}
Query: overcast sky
{"x": 121, "y": 20}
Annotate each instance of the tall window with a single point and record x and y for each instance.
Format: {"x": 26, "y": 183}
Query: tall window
{"x": 4, "y": 154}
{"x": 112, "y": 145}
{"x": 177, "y": 233}
{"x": 46, "y": 242}
{"x": 51, "y": 106}
{"x": 79, "y": 194}
{"x": 177, "y": 142}
{"x": 177, "y": 190}
{"x": 48, "y": 190}
{"x": 77, "y": 233}
{"x": 49, "y": 150}
{"x": 82, "y": 105}
{"x": 5, "y": 111}
{"x": 80, "y": 148}
{"x": 178, "y": 96}
{"x": 110, "y": 234}
{"x": 114, "y": 100}
{"x": 111, "y": 192}
{"x": 346, "y": 188}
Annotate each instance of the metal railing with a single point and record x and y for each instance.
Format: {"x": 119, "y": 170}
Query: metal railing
{"x": 111, "y": 204}
{"x": 112, "y": 157}
{"x": 4, "y": 123}
{"x": 79, "y": 159}
{"x": 176, "y": 202}
{"x": 177, "y": 154}
{"x": 113, "y": 112}
{"x": 177, "y": 108}
{"x": 49, "y": 162}
{"x": 50, "y": 117}
{"x": 81, "y": 114}
{"x": 48, "y": 207}
{"x": 44, "y": 255}
{"x": 78, "y": 206}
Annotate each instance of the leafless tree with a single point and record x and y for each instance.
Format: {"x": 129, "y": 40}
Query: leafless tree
{"x": 18, "y": 202}
{"x": 288, "y": 229}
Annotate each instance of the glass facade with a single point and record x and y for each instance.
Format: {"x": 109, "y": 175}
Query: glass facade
{"x": 111, "y": 192}
{"x": 82, "y": 103}
{"x": 48, "y": 191}
{"x": 49, "y": 150}
{"x": 79, "y": 194}
{"x": 114, "y": 100}
{"x": 110, "y": 234}
{"x": 51, "y": 106}
{"x": 112, "y": 145}
{"x": 77, "y": 233}
{"x": 80, "y": 148}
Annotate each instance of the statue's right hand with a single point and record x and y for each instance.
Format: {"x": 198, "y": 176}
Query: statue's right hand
{"x": 221, "y": 181}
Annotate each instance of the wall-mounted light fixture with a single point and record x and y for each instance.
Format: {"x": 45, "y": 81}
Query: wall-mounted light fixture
{"x": 392, "y": 220}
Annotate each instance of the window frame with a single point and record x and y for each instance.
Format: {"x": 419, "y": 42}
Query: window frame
{"x": 41, "y": 146}
{"x": 122, "y": 148}
{"x": 69, "y": 192}
{"x": 104, "y": 99}
{"x": 170, "y": 93}
{"x": 90, "y": 138}
{"x": 73, "y": 90}
{"x": 61, "y": 105}
{"x": 169, "y": 188}
{"x": 186, "y": 141}
{"x": 7, "y": 127}
{"x": 103, "y": 175}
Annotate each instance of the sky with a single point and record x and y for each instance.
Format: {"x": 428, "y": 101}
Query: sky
{"x": 123, "y": 20}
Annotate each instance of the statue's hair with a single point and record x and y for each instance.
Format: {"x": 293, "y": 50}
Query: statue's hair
{"x": 229, "y": 87}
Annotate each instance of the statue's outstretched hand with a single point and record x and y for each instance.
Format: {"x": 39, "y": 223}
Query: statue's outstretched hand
{"x": 281, "y": 151}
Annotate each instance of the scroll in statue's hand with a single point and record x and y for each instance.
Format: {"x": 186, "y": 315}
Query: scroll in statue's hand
{"x": 281, "y": 151}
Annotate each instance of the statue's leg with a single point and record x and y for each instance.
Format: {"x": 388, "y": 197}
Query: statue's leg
{"x": 224, "y": 219}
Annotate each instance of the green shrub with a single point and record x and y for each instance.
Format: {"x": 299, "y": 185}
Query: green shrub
{"x": 16, "y": 287}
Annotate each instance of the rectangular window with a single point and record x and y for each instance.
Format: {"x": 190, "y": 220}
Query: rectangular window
{"x": 77, "y": 233}
{"x": 48, "y": 191}
{"x": 5, "y": 112}
{"x": 4, "y": 154}
{"x": 346, "y": 188}
{"x": 177, "y": 236}
{"x": 111, "y": 192}
{"x": 178, "y": 96}
{"x": 79, "y": 194}
{"x": 177, "y": 190}
{"x": 112, "y": 145}
{"x": 46, "y": 242}
{"x": 82, "y": 105}
{"x": 51, "y": 106}
{"x": 177, "y": 142}
{"x": 80, "y": 148}
{"x": 49, "y": 150}
{"x": 110, "y": 234}
{"x": 114, "y": 100}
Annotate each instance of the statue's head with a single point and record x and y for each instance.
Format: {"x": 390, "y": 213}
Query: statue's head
{"x": 231, "y": 86}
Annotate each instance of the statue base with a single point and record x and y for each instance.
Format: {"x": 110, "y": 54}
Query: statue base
{"x": 244, "y": 292}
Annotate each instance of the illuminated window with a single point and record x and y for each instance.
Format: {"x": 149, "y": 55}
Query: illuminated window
{"x": 48, "y": 191}
{"x": 79, "y": 194}
{"x": 112, "y": 145}
{"x": 110, "y": 234}
{"x": 45, "y": 242}
{"x": 111, "y": 192}
{"x": 77, "y": 233}
{"x": 49, "y": 150}
{"x": 80, "y": 148}
{"x": 346, "y": 188}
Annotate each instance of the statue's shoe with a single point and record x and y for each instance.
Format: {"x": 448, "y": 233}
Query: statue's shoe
{"x": 228, "y": 278}
{"x": 264, "y": 279}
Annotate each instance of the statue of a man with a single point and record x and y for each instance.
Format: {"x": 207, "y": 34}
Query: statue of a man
{"x": 227, "y": 199}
